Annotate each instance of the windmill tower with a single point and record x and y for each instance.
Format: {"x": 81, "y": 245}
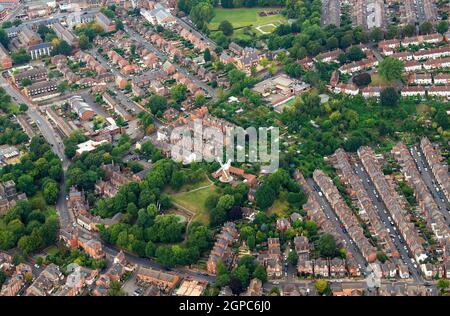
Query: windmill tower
{"x": 224, "y": 172}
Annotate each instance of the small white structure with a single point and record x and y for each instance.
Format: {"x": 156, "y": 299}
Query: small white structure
{"x": 225, "y": 175}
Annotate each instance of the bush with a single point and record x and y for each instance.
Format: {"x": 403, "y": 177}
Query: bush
{"x": 362, "y": 80}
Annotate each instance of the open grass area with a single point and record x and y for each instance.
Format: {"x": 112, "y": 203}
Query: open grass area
{"x": 377, "y": 80}
{"x": 189, "y": 186}
{"x": 422, "y": 108}
{"x": 242, "y": 17}
{"x": 279, "y": 207}
{"x": 195, "y": 202}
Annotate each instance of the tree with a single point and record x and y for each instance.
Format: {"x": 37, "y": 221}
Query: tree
{"x": 227, "y": 3}
{"x": 274, "y": 291}
{"x": 4, "y": 39}
{"x": 202, "y": 13}
{"x": 200, "y": 99}
{"x": 225, "y": 202}
{"x": 235, "y": 213}
{"x": 326, "y": 245}
{"x": 63, "y": 48}
{"x": 409, "y": 30}
{"x": 207, "y": 55}
{"x": 322, "y": 286}
{"x": 157, "y": 104}
{"x": 223, "y": 276}
{"x": 25, "y": 184}
{"x": 235, "y": 285}
{"x": 381, "y": 256}
{"x": 63, "y": 86}
{"x": 292, "y": 258}
{"x": 442, "y": 27}
{"x": 265, "y": 196}
{"x": 178, "y": 92}
{"x": 26, "y": 244}
{"x": 25, "y": 82}
{"x": 377, "y": 34}
{"x": 391, "y": 69}
{"x": 226, "y": 27}
{"x": 442, "y": 285}
{"x": 426, "y": 27}
{"x": 20, "y": 57}
{"x": 115, "y": 289}
{"x": 23, "y": 107}
{"x": 84, "y": 41}
{"x": 260, "y": 273}
{"x": 51, "y": 191}
{"x": 362, "y": 79}
{"x": 392, "y": 32}
{"x": 2, "y": 278}
{"x": 389, "y": 97}
{"x": 442, "y": 119}
{"x": 242, "y": 274}
{"x": 355, "y": 53}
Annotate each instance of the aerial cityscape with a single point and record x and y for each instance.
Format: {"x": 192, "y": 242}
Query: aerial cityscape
{"x": 135, "y": 139}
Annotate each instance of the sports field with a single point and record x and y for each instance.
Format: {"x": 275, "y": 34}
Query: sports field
{"x": 242, "y": 17}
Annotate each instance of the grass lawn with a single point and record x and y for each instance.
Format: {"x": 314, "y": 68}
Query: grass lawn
{"x": 422, "y": 108}
{"x": 246, "y": 17}
{"x": 195, "y": 202}
{"x": 189, "y": 186}
{"x": 377, "y": 80}
{"x": 279, "y": 207}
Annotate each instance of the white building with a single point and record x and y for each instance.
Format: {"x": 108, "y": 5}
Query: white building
{"x": 158, "y": 16}
{"x": 412, "y": 91}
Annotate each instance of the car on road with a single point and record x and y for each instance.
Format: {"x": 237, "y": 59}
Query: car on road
{"x": 138, "y": 292}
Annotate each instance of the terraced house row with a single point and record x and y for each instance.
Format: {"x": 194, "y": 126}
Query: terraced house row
{"x": 221, "y": 250}
{"x": 368, "y": 212}
{"x": 345, "y": 214}
{"x": 391, "y": 200}
{"x": 314, "y": 211}
{"x": 389, "y": 46}
{"x": 437, "y": 165}
{"x": 427, "y": 205}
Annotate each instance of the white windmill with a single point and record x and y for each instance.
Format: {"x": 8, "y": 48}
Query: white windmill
{"x": 224, "y": 172}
